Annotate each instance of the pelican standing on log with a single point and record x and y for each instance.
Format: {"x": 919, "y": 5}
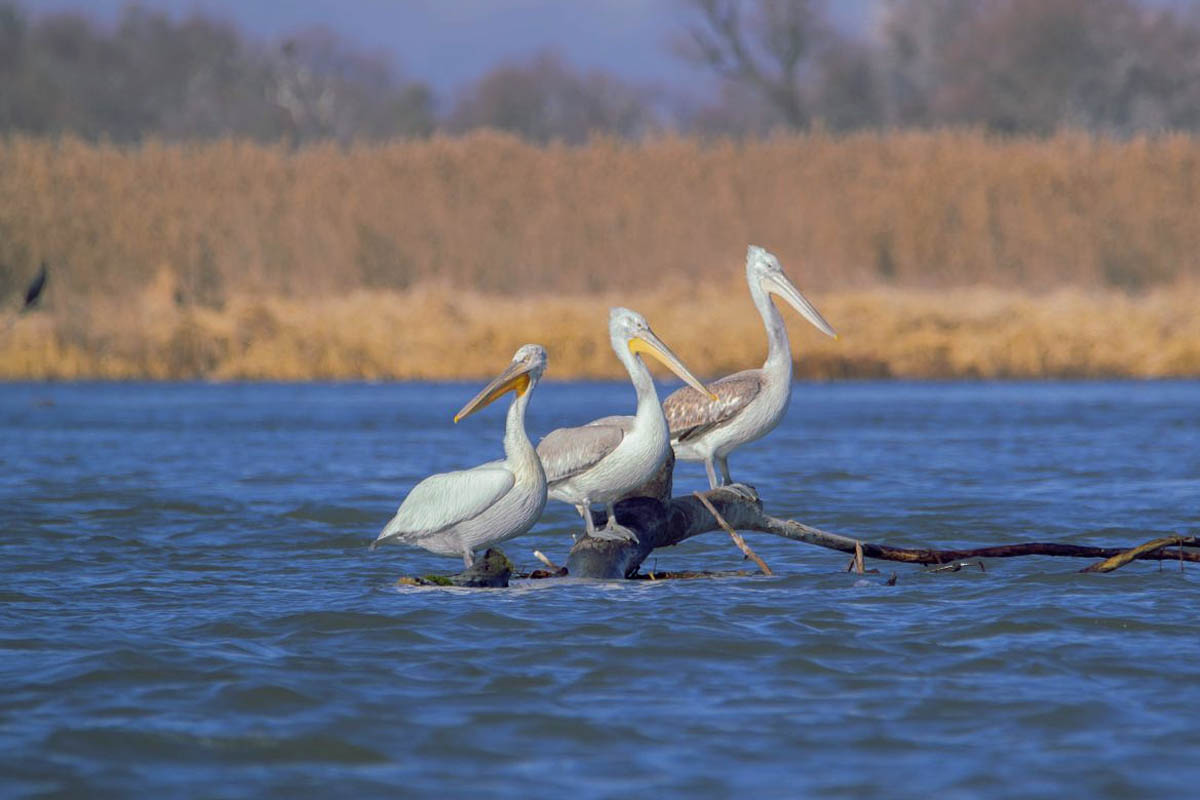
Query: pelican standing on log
{"x": 604, "y": 460}
{"x": 457, "y": 513}
{"x": 748, "y": 404}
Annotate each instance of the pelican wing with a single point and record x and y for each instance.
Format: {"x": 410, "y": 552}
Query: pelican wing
{"x": 566, "y": 452}
{"x": 449, "y": 498}
{"x": 691, "y": 414}
{"x": 622, "y": 421}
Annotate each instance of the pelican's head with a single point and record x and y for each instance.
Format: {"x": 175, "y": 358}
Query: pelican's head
{"x": 629, "y": 329}
{"x": 763, "y": 271}
{"x": 528, "y": 364}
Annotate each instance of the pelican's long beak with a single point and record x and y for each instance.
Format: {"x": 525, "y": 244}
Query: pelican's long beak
{"x": 649, "y": 343}
{"x": 515, "y": 378}
{"x": 783, "y": 287}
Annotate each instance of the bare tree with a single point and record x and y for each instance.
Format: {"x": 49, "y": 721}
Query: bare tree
{"x": 848, "y": 94}
{"x": 328, "y": 89}
{"x": 197, "y": 78}
{"x": 1117, "y": 66}
{"x": 768, "y": 45}
{"x": 910, "y": 39}
{"x": 736, "y": 110}
{"x": 544, "y": 99}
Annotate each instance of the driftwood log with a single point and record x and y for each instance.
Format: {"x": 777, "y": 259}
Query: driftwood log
{"x": 661, "y": 520}
{"x": 662, "y": 525}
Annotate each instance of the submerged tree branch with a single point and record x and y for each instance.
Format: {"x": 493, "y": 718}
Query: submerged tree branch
{"x": 737, "y": 537}
{"x": 1141, "y": 551}
{"x": 663, "y": 524}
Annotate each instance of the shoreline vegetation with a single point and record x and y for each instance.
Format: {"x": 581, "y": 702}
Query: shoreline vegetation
{"x": 435, "y": 334}
{"x": 944, "y": 254}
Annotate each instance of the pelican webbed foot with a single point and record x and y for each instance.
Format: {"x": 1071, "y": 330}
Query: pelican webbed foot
{"x": 743, "y": 490}
{"x": 615, "y": 532}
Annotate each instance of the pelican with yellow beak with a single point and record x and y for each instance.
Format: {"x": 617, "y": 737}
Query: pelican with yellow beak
{"x": 457, "y": 513}
{"x": 747, "y": 405}
{"x": 603, "y": 461}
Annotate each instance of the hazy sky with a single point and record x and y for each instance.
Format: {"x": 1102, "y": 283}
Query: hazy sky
{"x": 450, "y": 42}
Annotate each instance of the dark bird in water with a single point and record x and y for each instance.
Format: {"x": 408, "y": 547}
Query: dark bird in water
{"x": 35, "y": 288}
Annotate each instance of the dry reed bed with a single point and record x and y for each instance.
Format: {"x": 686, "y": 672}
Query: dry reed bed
{"x": 431, "y": 333}
{"x": 493, "y": 214}
{"x": 236, "y": 260}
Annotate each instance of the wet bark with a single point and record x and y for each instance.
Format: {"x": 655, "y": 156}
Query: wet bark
{"x": 661, "y": 522}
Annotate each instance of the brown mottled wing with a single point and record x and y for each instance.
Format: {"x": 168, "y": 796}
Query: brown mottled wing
{"x": 691, "y": 414}
{"x": 566, "y": 452}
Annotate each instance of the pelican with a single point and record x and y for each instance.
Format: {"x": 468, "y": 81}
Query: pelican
{"x": 602, "y": 461}
{"x": 748, "y": 404}
{"x": 457, "y": 513}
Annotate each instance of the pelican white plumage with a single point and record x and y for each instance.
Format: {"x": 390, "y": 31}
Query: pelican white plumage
{"x": 457, "y": 513}
{"x": 602, "y": 461}
{"x": 748, "y": 404}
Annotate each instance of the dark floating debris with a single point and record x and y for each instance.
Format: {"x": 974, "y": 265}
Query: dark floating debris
{"x": 957, "y": 566}
{"x": 491, "y": 571}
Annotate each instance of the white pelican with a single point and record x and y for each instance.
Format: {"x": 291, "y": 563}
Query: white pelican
{"x": 604, "y": 460}
{"x": 748, "y": 404}
{"x": 457, "y": 513}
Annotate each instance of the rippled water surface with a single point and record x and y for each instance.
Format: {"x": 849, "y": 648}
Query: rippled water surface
{"x": 188, "y": 606}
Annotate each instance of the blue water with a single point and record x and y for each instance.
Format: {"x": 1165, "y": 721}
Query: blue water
{"x": 188, "y": 607}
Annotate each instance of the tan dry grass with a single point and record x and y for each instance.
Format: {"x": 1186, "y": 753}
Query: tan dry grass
{"x": 493, "y": 214}
{"x": 237, "y": 260}
{"x": 432, "y": 333}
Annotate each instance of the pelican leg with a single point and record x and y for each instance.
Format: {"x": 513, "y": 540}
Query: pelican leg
{"x": 723, "y": 461}
{"x": 712, "y": 473}
{"x": 468, "y": 557}
{"x": 585, "y": 511}
{"x": 612, "y": 531}
{"x": 741, "y": 489}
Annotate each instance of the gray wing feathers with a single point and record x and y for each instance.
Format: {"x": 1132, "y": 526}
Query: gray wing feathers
{"x": 566, "y": 452}
{"x": 447, "y": 499}
{"x": 622, "y": 421}
{"x": 690, "y": 414}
